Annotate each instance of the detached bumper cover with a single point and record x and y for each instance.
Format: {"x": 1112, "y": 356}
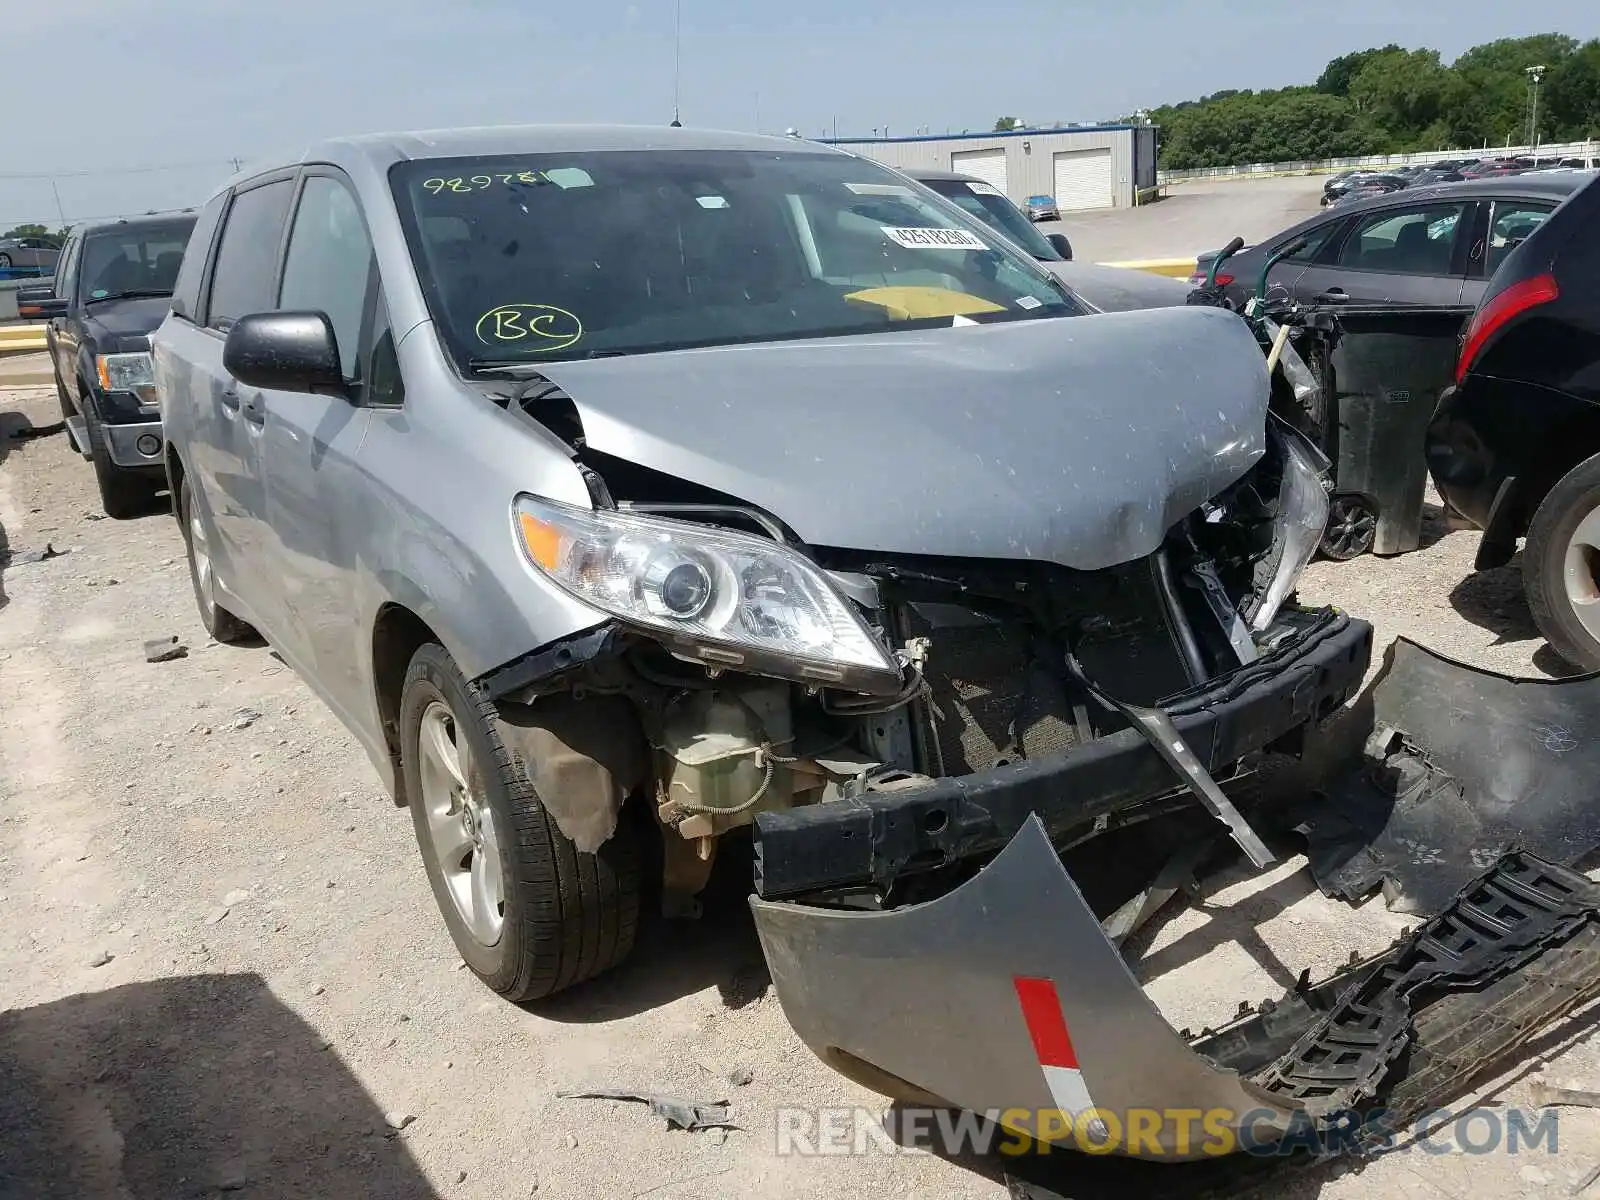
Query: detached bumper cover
{"x": 874, "y": 839}
{"x": 960, "y": 995}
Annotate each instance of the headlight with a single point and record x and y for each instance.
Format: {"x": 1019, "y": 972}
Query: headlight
{"x": 720, "y": 598}
{"x": 1302, "y": 520}
{"x": 128, "y": 373}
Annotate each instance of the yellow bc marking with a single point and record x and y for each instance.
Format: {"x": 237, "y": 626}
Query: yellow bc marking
{"x": 540, "y": 328}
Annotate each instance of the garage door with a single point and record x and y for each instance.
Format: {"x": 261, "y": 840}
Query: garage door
{"x": 1083, "y": 179}
{"x": 987, "y": 165}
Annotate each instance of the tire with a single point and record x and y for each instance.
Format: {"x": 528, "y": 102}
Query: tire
{"x": 123, "y": 494}
{"x": 565, "y": 916}
{"x": 221, "y": 624}
{"x": 5, "y": 262}
{"x": 1555, "y": 566}
{"x": 1352, "y": 528}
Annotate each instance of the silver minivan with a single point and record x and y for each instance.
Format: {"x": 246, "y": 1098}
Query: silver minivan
{"x": 623, "y": 489}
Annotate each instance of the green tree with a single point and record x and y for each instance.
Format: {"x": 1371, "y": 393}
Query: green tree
{"x": 1005, "y": 123}
{"x": 22, "y": 231}
{"x": 1403, "y": 91}
{"x": 1569, "y": 105}
{"x": 1337, "y": 75}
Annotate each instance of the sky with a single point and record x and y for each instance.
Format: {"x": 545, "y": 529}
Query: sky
{"x": 129, "y": 105}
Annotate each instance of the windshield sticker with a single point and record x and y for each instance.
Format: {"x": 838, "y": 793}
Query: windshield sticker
{"x": 879, "y": 189}
{"x": 535, "y": 328}
{"x": 936, "y": 239}
{"x": 562, "y": 177}
{"x": 1030, "y": 302}
{"x": 711, "y": 201}
{"x": 985, "y": 189}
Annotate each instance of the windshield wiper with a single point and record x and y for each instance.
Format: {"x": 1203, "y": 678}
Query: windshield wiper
{"x": 130, "y": 294}
{"x": 499, "y": 366}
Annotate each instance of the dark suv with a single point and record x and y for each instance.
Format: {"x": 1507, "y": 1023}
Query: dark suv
{"x": 112, "y": 288}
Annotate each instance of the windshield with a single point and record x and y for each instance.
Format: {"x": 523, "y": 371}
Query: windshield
{"x": 535, "y": 258}
{"x": 989, "y": 205}
{"x": 138, "y": 259}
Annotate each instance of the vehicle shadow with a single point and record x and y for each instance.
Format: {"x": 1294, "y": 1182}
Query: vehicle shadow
{"x": 1494, "y": 600}
{"x": 676, "y": 958}
{"x": 1435, "y": 525}
{"x": 186, "y": 1087}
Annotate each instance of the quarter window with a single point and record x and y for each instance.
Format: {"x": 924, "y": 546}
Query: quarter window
{"x": 329, "y": 264}
{"x": 249, "y": 253}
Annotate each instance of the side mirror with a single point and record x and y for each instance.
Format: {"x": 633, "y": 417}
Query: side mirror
{"x": 40, "y": 304}
{"x": 1062, "y": 246}
{"x": 285, "y": 352}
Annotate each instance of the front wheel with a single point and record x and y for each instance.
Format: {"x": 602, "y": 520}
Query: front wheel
{"x": 1561, "y": 566}
{"x": 123, "y": 493}
{"x": 5, "y": 262}
{"x": 529, "y": 913}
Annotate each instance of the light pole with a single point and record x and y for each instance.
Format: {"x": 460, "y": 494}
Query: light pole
{"x": 1535, "y": 74}
{"x": 677, "y": 60}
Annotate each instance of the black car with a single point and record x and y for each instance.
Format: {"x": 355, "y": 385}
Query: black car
{"x": 112, "y": 288}
{"x": 1434, "y": 245}
{"x": 1515, "y": 444}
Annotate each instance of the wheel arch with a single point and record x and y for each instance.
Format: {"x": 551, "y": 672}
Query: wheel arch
{"x": 1564, "y": 443}
{"x": 398, "y": 633}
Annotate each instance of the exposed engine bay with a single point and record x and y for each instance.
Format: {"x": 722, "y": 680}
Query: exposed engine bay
{"x": 996, "y": 664}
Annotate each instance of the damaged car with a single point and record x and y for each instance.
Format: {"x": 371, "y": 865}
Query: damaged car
{"x": 617, "y": 486}
{"x": 625, "y": 491}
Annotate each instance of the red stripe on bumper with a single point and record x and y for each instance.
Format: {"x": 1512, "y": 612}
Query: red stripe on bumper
{"x": 1047, "y": 1024}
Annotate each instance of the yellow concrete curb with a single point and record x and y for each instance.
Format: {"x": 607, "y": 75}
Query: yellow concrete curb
{"x": 1174, "y": 268}
{"x": 17, "y": 338}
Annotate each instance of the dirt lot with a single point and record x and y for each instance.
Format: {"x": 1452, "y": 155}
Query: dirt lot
{"x": 221, "y": 968}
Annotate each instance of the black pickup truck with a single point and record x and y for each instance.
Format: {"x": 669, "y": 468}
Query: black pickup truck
{"x": 112, "y": 288}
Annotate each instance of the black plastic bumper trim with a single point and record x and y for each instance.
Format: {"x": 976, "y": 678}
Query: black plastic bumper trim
{"x": 874, "y": 839}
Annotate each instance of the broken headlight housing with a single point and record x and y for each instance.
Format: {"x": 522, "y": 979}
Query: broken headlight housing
{"x": 128, "y": 373}
{"x": 1302, "y": 519}
{"x": 712, "y": 596}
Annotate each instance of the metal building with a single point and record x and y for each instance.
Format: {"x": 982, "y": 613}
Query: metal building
{"x": 1084, "y": 166}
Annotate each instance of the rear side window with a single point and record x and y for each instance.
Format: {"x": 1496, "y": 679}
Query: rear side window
{"x": 1413, "y": 241}
{"x": 186, "y": 292}
{"x": 247, "y": 259}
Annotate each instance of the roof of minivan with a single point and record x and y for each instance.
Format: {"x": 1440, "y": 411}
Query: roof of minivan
{"x": 383, "y": 149}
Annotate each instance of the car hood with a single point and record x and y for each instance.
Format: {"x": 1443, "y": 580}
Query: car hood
{"x": 1118, "y": 289}
{"x": 123, "y": 321}
{"x": 1078, "y": 440}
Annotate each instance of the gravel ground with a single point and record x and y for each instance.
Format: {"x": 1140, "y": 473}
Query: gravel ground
{"x": 221, "y": 968}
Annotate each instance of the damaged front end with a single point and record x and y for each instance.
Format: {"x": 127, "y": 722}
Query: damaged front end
{"x": 1006, "y": 994}
{"x": 891, "y": 719}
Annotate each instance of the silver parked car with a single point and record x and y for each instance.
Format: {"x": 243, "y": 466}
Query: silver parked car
{"x": 622, "y": 488}
{"x": 39, "y": 252}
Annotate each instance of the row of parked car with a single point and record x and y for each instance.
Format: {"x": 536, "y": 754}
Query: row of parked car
{"x": 1360, "y": 185}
